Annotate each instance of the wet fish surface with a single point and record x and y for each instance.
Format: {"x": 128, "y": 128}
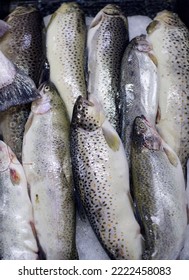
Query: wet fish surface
{"x": 47, "y": 165}
{"x": 107, "y": 40}
{"x": 138, "y": 87}
{"x": 23, "y": 45}
{"x": 15, "y": 86}
{"x": 159, "y": 192}
{"x": 17, "y": 241}
{"x": 170, "y": 40}
{"x": 101, "y": 180}
{"x": 65, "y": 42}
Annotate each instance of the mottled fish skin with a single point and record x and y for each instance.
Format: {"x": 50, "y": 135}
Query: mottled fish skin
{"x": 47, "y": 165}
{"x": 65, "y": 42}
{"x": 12, "y": 123}
{"x": 17, "y": 241}
{"x": 22, "y": 44}
{"x": 159, "y": 192}
{"x": 138, "y": 87}
{"x": 170, "y": 40}
{"x": 101, "y": 180}
{"x": 107, "y": 40}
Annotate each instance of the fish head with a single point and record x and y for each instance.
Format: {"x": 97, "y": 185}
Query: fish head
{"x": 21, "y": 11}
{"x": 142, "y": 44}
{"x": 109, "y": 10}
{"x": 164, "y": 19}
{"x": 144, "y": 135}
{"x": 87, "y": 115}
{"x": 67, "y": 8}
{"x": 44, "y": 104}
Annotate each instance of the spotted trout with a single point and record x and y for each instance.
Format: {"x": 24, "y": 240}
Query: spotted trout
{"x": 17, "y": 241}
{"x": 101, "y": 179}
{"x": 159, "y": 192}
{"x": 47, "y": 165}
{"x": 65, "y": 42}
{"x": 23, "y": 45}
{"x": 170, "y": 40}
{"x": 107, "y": 40}
{"x": 138, "y": 87}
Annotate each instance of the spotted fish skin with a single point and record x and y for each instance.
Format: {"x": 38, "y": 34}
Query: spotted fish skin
{"x": 47, "y": 165}
{"x": 66, "y": 36}
{"x": 22, "y": 44}
{"x": 138, "y": 87}
{"x": 170, "y": 40}
{"x": 107, "y": 40}
{"x": 101, "y": 179}
{"x": 17, "y": 241}
{"x": 159, "y": 192}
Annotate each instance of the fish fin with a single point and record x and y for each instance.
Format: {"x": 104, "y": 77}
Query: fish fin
{"x": 111, "y": 138}
{"x": 153, "y": 58}
{"x": 171, "y": 156}
{"x": 158, "y": 115}
{"x": 4, "y": 27}
{"x": 21, "y": 91}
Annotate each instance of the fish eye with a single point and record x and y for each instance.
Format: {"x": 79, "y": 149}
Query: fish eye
{"x": 47, "y": 88}
{"x": 142, "y": 126}
{"x": 79, "y": 107}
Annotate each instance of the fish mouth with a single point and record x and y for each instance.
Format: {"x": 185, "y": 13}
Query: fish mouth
{"x": 142, "y": 44}
{"x": 112, "y": 10}
{"x": 67, "y": 8}
{"x": 152, "y": 26}
{"x": 23, "y": 10}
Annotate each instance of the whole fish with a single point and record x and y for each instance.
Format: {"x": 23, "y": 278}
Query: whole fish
{"x": 159, "y": 192}
{"x": 107, "y": 40}
{"x": 138, "y": 87}
{"x": 17, "y": 241}
{"x": 15, "y": 86}
{"x": 170, "y": 40}
{"x": 101, "y": 179}
{"x": 23, "y": 45}
{"x": 47, "y": 165}
{"x": 65, "y": 42}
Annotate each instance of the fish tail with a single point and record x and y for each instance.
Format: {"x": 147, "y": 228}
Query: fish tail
{"x": 21, "y": 91}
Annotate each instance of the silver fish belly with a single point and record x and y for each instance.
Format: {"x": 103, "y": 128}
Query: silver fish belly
{"x": 47, "y": 164}
{"x": 138, "y": 87}
{"x": 17, "y": 241}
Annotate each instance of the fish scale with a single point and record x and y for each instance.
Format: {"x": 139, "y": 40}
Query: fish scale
{"x": 107, "y": 40}
{"x": 170, "y": 40}
{"x": 47, "y": 165}
{"x": 102, "y": 181}
{"x": 159, "y": 192}
{"x": 66, "y": 36}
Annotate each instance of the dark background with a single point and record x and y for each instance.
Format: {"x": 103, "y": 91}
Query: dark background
{"x": 91, "y": 7}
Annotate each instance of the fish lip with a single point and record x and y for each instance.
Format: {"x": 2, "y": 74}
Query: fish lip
{"x": 23, "y": 10}
{"x": 112, "y": 10}
{"x": 152, "y": 26}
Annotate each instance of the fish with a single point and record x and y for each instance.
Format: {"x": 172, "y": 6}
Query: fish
{"x": 47, "y": 165}
{"x": 101, "y": 180}
{"x": 107, "y": 40}
{"x": 16, "y": 87}
{"x": 65, "y": 44}
{"x": 170, "y": 40}
{"x": 17, "y": 239}
{"x": 23, "y": 45}
{"x": 158, "y": 191}
{"x": 139, "y": 85}
{"x": 12, "y": 125}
